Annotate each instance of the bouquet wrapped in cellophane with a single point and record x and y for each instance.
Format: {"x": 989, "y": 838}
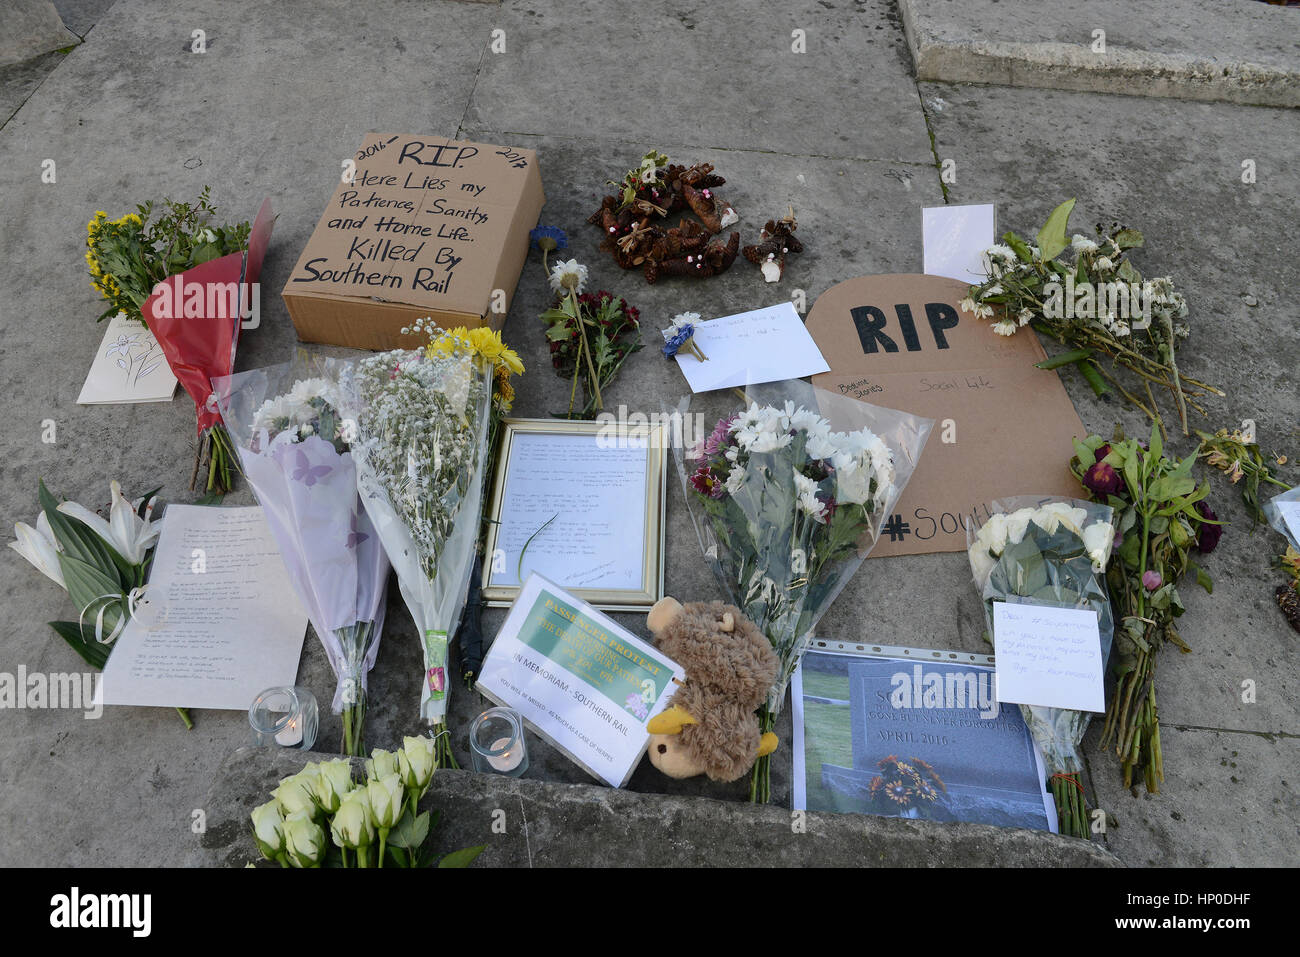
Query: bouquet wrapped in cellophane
{"x": 1043, "y": 551}
{"x": 294, "y": 446}
{"x": 787, "y": 508}
{"x": 423, "y": 420}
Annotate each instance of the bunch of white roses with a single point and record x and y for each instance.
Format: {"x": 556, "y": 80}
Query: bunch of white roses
{"x": 370, "y": 822}
{"x": 1003, "y": 529}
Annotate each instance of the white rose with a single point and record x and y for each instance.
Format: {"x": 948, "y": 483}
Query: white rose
{"x": 295, "y": 794}
{"x": 416, "y": 762}
{"x": 992, "y": 535}
{"x": 1017, "y": 523}
{"x": 1098, "y": 538}
{"x": 981, "y": 563}
{"x": 268, "y": 820}
{"x": 1068, "y": 515}
{"x": 385, "y": 797}
{"x": 304, "y": 840}
{"x": 351, "y": 825}
{"x": 334, "y": 783}
{"x": 380, "y": 764}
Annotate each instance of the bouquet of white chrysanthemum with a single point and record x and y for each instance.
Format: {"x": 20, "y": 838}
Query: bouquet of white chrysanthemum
{"x": 294, "y": 448}
{"x": 787, "y": 508}
{"x": 1049, "y": 552}
{"x": 421, "y": 447}
{"x": 1098, "y": 304}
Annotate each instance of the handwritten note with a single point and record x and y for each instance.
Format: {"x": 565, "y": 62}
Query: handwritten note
{"x": 765, "y": 345}
{"x": 1290, "y": 512}
{"x": 1048, "y": 656}
{"x": 594, "y": 500}
{"x": 221, "y": 622}
{"x": 954, "y": 239}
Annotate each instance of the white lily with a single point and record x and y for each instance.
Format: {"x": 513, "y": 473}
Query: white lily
{"x": 39, "y": 547}
{"x": 125, "y": 532}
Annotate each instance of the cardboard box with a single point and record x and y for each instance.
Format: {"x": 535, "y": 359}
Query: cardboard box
{"x": 425, "y": 227}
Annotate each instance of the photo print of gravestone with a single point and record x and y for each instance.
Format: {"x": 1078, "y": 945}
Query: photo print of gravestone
{"x": 912, "y": 738}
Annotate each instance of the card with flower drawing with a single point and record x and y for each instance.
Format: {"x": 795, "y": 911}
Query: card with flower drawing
{"x": 129, "y": 367}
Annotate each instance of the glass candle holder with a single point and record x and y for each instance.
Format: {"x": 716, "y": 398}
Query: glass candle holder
{"x": 284, "y": 718}
{"x": 496, "y": 743}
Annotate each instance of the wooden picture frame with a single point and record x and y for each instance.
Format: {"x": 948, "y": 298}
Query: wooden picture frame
{"x": 531, "y": 482}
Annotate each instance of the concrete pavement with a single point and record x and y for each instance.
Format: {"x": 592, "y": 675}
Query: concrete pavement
{"x": 842, "y": 131}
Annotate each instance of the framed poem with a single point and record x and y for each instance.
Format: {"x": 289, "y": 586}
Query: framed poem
{"x": 582, "y": 504}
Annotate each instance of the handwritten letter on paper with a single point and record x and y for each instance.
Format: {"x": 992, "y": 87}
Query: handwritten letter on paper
{"x": 594, "y": 499}
{"x": 223, "y": 621}
{"x": 1048, "y": 656}
{"x": 765, "y": 345}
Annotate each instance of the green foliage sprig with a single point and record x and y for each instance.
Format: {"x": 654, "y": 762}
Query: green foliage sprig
{"x": 1161, "y": 519}
{"x": 128, "y": 257}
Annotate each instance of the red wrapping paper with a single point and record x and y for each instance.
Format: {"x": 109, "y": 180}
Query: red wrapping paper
{"x": 199, "y": 334}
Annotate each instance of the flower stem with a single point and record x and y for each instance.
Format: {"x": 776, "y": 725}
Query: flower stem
{"x": 582, "y": 330}
{"x": 185, "y": 716}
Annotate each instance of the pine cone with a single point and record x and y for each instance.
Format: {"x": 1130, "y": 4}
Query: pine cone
{"x": 1289, "y": 601}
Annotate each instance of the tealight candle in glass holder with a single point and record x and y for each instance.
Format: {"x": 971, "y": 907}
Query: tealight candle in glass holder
{"x": 285, "y": 718}
{"x": 496, "y": 743}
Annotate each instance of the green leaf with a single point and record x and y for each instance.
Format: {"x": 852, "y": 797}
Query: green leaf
{"x": 1051, "y": 238}
{"x": 1168, "y": 487}
{"x": 75, "y": 537}
{"x": 1019, "y": 247}
{"x": 559, "y": 333}
{"x": 1202, "y": 577}
{"x": 519, "y": 568}
{"x": 410, "y": 831}
{"x": 1084, "y": 453}
{"x": 92, "y": 652}
{"x": 462, "y": 858}
{"x": 556, "y": 315}
{"x": 1157, "y": 446}
{"x": 89, "y": 587}
{"x": 1063, "y": 359}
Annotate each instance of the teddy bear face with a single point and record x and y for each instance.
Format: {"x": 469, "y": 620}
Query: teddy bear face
{"x": 668, "y": 754}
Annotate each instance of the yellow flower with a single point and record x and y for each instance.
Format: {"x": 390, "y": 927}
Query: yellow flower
{"x": 510, "y": 360}
{"x": 505, "y": 392}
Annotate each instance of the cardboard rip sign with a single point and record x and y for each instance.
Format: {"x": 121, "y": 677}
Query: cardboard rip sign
{"x": 417, "y": 226}
{"x": 1002, "y": 427}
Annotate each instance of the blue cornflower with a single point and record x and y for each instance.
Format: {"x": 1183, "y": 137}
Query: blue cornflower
{"x": 679, "y": 339}
{"x": 548, "y": 238}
